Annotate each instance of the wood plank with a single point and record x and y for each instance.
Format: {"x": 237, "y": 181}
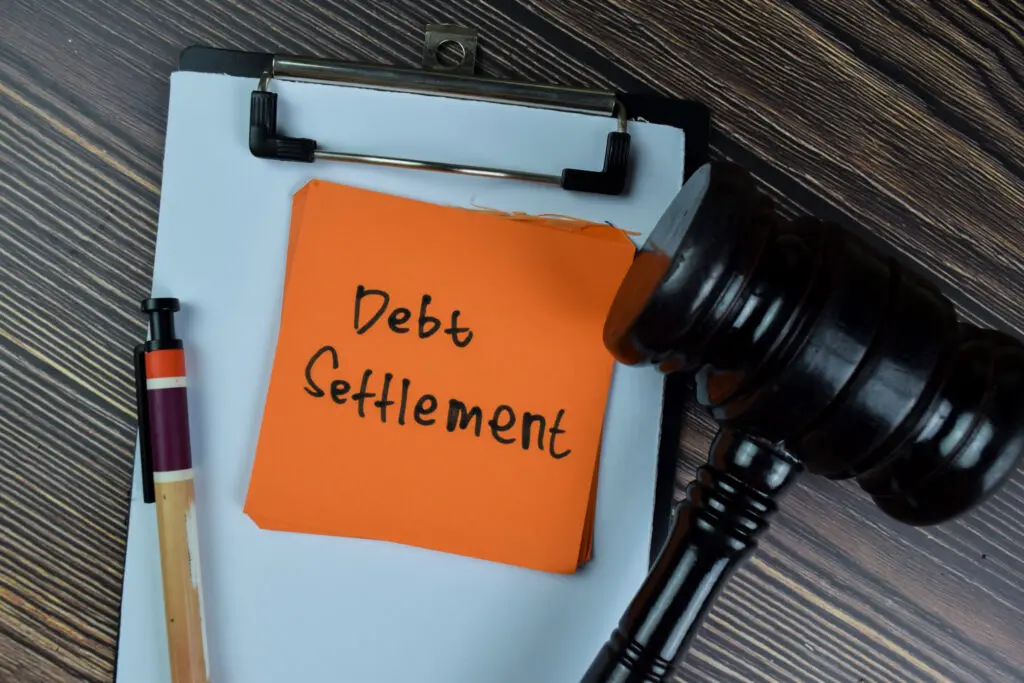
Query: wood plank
{"x": 860, "y": 111}
{"x": 21, "y": 662}
{"x": 902, "y": 117}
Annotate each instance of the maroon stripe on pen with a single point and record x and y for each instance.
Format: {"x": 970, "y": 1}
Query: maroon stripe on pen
{"x": 168, "y": 429}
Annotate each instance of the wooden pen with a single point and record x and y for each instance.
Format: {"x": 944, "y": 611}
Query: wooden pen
{"x": 166, "y": 460}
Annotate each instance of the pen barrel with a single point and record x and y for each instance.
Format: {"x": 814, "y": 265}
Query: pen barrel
{"x": 179, "y": 565}
{"x": 167, "y": 404}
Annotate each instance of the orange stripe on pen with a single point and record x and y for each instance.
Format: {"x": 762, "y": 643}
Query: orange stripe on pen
{"x": 165, "y": 363}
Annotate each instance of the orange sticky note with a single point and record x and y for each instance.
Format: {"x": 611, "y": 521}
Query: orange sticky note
{"x": 439, "y": 380}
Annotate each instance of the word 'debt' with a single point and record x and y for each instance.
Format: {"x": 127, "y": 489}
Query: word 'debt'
{"x": 392, "y": 399}
{"x": 426, "y": 325}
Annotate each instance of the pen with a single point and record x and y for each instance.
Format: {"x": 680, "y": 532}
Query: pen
{"x": 166, "y": 460}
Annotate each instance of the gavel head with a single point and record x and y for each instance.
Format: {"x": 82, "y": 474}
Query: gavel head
{"x": 801, "y": 334}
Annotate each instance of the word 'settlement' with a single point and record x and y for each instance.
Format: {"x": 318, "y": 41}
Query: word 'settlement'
{"x": 458, "y": 416}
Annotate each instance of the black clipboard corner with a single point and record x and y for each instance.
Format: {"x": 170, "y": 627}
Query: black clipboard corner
{"x": 204, "y": 59}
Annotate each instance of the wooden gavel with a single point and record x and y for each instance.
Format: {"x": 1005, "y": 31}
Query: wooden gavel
{"x": 814, "y": 352}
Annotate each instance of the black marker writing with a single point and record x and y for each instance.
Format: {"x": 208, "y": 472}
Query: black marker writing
{"x": 427, "y": 325}
{"x": 460, "y": 416}
{"x": 316, "y": 391}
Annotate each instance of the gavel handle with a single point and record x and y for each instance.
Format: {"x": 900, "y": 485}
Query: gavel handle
{"x": 715, "y": 529}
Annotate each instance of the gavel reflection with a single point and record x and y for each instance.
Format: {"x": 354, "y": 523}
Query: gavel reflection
{"x": 814, "y": 352}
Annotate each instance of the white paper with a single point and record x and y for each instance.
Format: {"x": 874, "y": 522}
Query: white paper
{"x": 294, "y": 607}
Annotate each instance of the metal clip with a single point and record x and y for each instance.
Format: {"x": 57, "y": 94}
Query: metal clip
{"x": 265, "y": 141}
{"x": 142, "y": 406}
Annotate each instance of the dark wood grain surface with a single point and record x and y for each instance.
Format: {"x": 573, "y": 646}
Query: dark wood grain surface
{"x": 902, "y": 117}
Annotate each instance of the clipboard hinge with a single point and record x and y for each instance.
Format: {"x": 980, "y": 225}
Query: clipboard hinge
{"x": 265, "y": 140}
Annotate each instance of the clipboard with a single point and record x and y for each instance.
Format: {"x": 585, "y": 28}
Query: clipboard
{"x": 271, "y": 90}
{"x": 458, "y": 81}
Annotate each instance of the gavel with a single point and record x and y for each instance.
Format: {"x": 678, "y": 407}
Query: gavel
{"x": 814, "y": 352}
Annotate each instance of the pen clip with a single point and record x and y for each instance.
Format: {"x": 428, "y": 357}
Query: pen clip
{"x": 145, "y": 446}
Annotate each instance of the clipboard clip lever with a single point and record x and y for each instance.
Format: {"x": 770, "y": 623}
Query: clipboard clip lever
{"x": 266, "y": 141}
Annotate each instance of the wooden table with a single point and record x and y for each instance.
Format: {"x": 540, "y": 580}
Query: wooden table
{"x": 904, "y": 117}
